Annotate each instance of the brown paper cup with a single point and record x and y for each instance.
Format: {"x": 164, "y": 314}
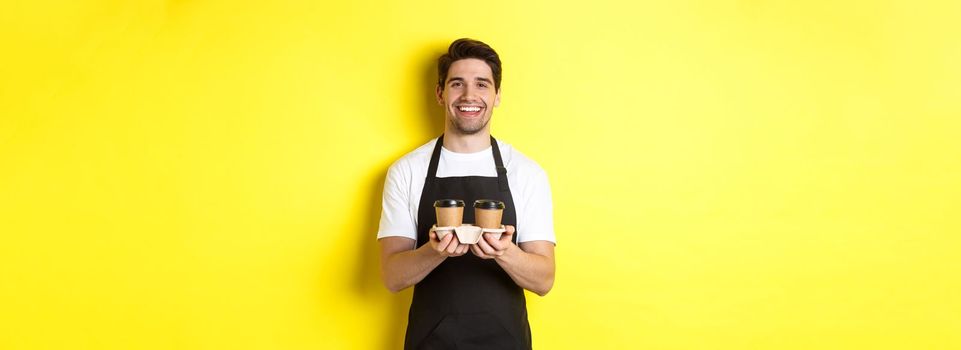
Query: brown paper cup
{"x": 488, "y": 213}
{"x": 450, "y": 212}
{"x": 488, "y": 218}
{"x": 450, "y": 217}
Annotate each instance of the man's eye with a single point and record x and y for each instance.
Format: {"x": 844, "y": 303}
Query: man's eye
{"x": 455, "y": 84}
{"x": 482, "y": 85}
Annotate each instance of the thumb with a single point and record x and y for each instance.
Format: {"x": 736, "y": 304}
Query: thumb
{"x": 509, "y": 231}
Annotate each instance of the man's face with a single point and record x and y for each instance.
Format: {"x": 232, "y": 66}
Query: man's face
{"x": 468, "y": 95}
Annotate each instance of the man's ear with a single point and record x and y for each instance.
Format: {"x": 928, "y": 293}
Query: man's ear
{"x": 497, "y": 98}
{"x": 439, "y": 95}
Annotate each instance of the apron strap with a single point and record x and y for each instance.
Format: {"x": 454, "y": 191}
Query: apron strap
{"x": 499, "y": 163}
{"x": 434, "y": 160}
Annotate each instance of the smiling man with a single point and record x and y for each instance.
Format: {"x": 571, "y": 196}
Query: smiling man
{"x": 467, "y": 296}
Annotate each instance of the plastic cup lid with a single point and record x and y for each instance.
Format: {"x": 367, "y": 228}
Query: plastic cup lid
{"x": 448, "y": 203}
{"x": 488, "y": 204}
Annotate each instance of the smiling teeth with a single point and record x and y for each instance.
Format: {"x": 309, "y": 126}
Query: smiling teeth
{"x": 469, "y": 109}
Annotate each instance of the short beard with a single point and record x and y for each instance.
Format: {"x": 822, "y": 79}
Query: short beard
{"x": 466, "y": 129}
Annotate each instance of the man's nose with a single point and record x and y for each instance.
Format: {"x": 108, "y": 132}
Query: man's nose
{"x": 470, "y": 92}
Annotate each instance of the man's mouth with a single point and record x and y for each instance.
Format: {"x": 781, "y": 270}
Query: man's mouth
{"x": 469, "y": 111}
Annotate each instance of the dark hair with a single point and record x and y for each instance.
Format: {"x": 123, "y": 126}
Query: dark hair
{"x": 468, "y": 48}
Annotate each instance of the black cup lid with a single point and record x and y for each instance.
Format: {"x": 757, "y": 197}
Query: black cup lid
{"x": 488, "y": 204}
{"x": 448, "y": 203}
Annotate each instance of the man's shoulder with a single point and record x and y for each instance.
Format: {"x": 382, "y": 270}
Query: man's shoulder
{"x": 418, "y": 158}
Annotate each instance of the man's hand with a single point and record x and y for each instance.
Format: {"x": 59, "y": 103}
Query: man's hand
{"x": 447, "y": 246}
{"x": 490, "y": 248}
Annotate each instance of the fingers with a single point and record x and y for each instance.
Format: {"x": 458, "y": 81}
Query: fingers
{"x": 508, "y": 235}
{"x": 497, "y": 244}
{"x": 441, "y": 245}
{"x": 485, "y": 247}
{"x": 452, "y": 245}
{"x": 485, "y": 243}
{"x": 474, "y": 249}
{"x": 459, "y": 249}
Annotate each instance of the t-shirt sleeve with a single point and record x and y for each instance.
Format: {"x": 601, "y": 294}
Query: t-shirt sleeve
{"x": 395, "y": 217}
{"x": 538, "y": 221}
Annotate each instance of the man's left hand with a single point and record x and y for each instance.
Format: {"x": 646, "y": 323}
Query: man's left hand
{"x": 489, "y": 247}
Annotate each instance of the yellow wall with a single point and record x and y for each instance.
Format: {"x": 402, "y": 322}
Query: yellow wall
{"x": 726, "y": 174}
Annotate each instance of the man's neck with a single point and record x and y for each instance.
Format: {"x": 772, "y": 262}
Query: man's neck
{"x": 460, "y": 143}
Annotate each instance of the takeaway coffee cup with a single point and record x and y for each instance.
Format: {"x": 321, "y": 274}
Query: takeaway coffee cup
{"x": 488, "y": 213}
{"x": 450, "y": 212}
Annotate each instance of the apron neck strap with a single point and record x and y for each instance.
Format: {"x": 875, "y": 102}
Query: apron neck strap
{"x": 434, "y": 160}
{"x": 499, "y": 163}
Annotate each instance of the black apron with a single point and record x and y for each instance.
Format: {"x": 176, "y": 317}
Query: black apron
{"x": 466, "y": 302}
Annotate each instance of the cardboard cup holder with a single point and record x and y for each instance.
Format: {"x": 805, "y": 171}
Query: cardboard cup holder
{"x": 467, "y": 233}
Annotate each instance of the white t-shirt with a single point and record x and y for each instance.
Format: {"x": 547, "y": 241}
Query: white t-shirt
{"x": 528, "y": 183}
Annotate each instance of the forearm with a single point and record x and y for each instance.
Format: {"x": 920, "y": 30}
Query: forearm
{"x": 530, "y": 271}
{"x": 404, "y": 269}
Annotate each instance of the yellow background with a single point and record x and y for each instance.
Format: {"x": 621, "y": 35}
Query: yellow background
{"x": 726, "y": 174}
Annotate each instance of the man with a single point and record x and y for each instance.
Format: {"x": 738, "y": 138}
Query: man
{"x": 461, "y": 300}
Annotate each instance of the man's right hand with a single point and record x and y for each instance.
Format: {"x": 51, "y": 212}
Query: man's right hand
{"x": 447, "y": 246}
